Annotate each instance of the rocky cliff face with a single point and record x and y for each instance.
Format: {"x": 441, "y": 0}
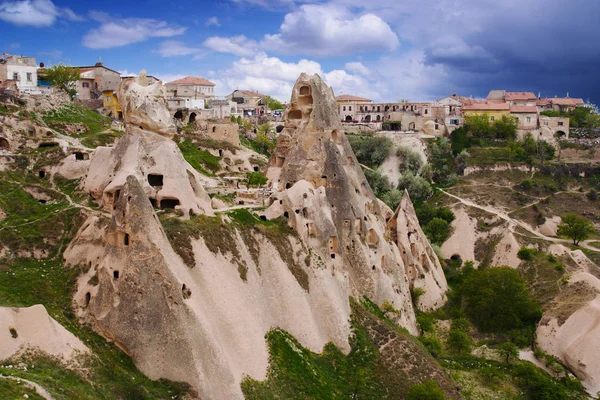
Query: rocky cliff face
{"x": 204, "y": 320}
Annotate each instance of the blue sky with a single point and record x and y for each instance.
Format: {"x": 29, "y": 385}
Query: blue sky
{"x": 386, "y": 50}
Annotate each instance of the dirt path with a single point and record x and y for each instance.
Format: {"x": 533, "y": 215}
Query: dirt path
{"x": 512, "y": 223}
{"x": 32, "y": 385}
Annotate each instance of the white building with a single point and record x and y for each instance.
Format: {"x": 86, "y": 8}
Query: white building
{"x": 20, "y": 69}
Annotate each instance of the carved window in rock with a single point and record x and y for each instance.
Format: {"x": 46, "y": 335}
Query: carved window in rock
{"x": 295, "y": 114}
{"x": 305, "y": 98}
{"x": 155, "y": 180}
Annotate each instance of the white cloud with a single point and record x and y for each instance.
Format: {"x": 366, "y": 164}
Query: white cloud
{"x": 173, "y": 48}
{"x": 29, "y": 12}
{"x": 238, "y": 45}
{"x": 115, "y": 32}
{"x": 212, "y": 21}
{"x": 358, "y": 68}
{"x": 272, "y": 76}
{"x": 38, "y": 13}
{"x": 319, "y": 30}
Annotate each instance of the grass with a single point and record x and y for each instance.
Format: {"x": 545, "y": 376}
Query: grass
{"x": 250, "y": 144}
{"x": 13, "y": 390}
{"x": 200, "y": 160}
{"x": 98, "y": 134}
{"x": 370, "y": 370}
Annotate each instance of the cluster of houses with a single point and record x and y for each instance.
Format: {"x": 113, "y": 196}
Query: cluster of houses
{"x": 447, "y": 114}
{"x": 189, "y": 98}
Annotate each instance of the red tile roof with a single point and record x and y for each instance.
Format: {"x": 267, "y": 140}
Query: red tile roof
{"x": 467, "y": 100}
{"x": 347, "y": 97}
{"x": 523, "y": 109}
{"x": 512, "y": 96}
{"x": 252, "y": 93}
{"x": 543, "y": 102}
{"x": 487, "y": 106}
{"x": 191, "y": 80}
{"x": 567, "y": 101}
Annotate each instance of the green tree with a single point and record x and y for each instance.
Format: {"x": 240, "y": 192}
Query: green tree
{"x": 459, "y": 341}
{"x": 437, "y": 230}
{"x": 392, "y": 198}
{"x": 461, "y": 324}
{"x": 273, "y": 104}
{"x": 379, "y": 183}
{"x": 508, "y": 351}
{"x": 460, "y": 140}
{"x": 63, "y": 77}
{"x": 575, "y": 227}
{"x": 432, "y": 345}
{"x": 410, "y": 160}
{"x": 264, "y": 142}
{"x": 371, "y": 150}
{"x": 478, "y": 125}
{"x": 505, "y": 127}
{"x": 256, "y": 179}
{"x": 428, "y": 390}
{"x": 417, "y": 187}
{"x": 265, "y": 128}
{"x": 497, "y": 299}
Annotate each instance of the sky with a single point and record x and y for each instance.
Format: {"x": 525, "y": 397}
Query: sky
{"x": 385, "y": 50}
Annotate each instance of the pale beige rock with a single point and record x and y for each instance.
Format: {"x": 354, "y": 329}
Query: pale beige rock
{"x": 158, "y": 164}
{"x": 550, "y": 227}
{"x": 145, "y": 106}
{"x": 420, "y": 261}
{"x": 35, "y": 329}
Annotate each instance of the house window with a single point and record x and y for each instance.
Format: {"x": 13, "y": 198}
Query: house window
{"x": 560, "y": 123}
{"x": 528, "y": 119}
{"x": 492, "y": 119}
{"x": 426, "y": 111}
{"x": 344, "y": 108}
{"x": 85, "y": 84}
{"x": 349, "y": 108}
{"x": 454, "y": 122}
{"x": 29, "y": 77}
{"x": 15, "y": 76}
{"x": 108, "y": 99}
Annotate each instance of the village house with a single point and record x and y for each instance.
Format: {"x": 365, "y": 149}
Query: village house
{"x": 249, "y": 102}
{"x": 189, "y": 92}
{"x": 95, "y": 80}
{"x": 512, "y": 98}
{"x": 566, "y": 104}
{"x": 527, "y": 116}
{"x": 493, "y": 109}
{"x": 558, "y": 125}
{"x": 19, "y": 71}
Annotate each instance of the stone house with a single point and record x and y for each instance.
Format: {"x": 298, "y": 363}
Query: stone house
{"x": 566, "y": 104}
{"x": 558, "y": 125}
{"x": 493, "y": 109}
{"x": 95, "y": 80}
{"x": 527, "y": 116}
{"x": 249, "y": 102}
{"x": 111, "y": 104}
{"x": 20, "y": 69}
{"x": 189, "y": 92}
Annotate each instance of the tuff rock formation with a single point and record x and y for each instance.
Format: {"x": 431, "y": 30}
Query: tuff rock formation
{"x": 420, "y": 262}
{"x": 145, "y": 106}
{"x": 203, "y": 321}
{"x": 168, "y": 180}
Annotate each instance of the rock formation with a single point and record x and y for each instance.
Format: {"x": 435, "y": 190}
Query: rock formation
{"x": 204, "y": 320}
{"x": 144, "y": 151}
{"x": 28, "y": 328}
{"x": 420, "y": 262}
{"x": 145, "y": 106}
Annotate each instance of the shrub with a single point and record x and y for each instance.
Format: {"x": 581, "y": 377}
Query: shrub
{"x": 592, "y": 195}
{"x": 417, "y": 187}
{"x": 371, "y": 150}
{"x": 392, "y": 198}
{"x": 437, "y": 230}
{"x": 429, "y": 390}
{"x": 526, "y": 254}
{"x": 379, "y": 183}
{"x": 527, "y": 184}
{"x": 411, "y": 161}
{"x": 497, "y": 299}
{"x": 433, "y": 346}
{"x": 461, "y": 324}
{"x": 459, "y": 341}
{"x": 425, "y": 321}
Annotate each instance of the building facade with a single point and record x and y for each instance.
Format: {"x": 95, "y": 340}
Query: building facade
{"x": 95, "y": 80}
{"x": 189, "y": 92}
{"x": 21, "y": 70}
{"x": 249, "y": 102}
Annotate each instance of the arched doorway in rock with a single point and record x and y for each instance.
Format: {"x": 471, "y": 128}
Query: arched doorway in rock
{"x": 368, "y": 118}
{"x": 178, "y": 115}
{"x": 558, "y": 133}
{"x": 192, "y": 117}
{"x": 348, "y": 118}
{"x": 4, "y": 144}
